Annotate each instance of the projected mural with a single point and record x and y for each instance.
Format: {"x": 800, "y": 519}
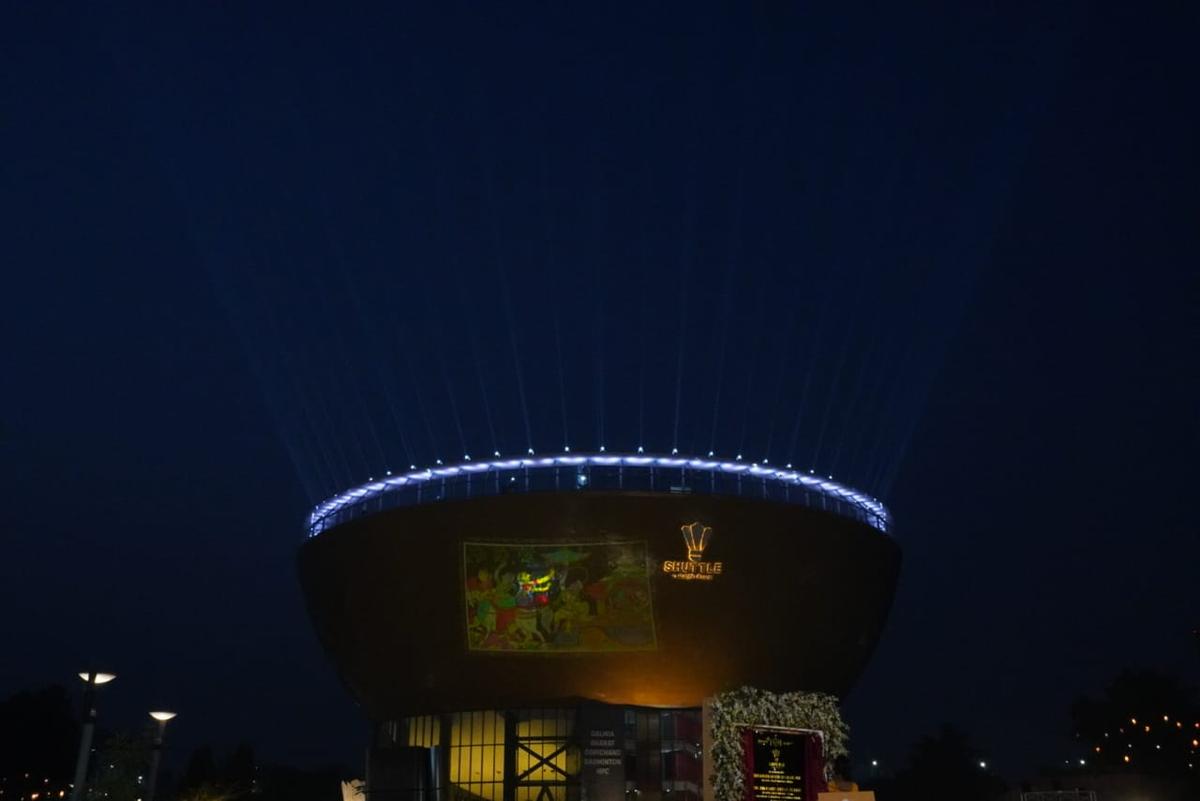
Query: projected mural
{"x": 566, "y": 597}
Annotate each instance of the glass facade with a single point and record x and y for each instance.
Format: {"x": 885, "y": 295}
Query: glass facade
{"x": 585, "y": 752}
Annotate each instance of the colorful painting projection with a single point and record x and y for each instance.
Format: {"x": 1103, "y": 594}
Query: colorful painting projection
{"x": 545, "y": 598}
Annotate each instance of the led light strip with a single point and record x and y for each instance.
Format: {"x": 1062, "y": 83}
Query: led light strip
{"x": 876, "y": 513}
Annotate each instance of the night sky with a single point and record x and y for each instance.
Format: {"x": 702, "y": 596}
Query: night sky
{"x": 255, "y": 256}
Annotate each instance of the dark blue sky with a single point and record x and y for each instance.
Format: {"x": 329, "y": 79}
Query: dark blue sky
{"x": 253, "y": 256}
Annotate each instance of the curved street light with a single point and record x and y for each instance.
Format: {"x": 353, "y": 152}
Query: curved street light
{"x": 162, "y": 717}
{"x": 100, "y": 678}
{"x": 92, "y": 680}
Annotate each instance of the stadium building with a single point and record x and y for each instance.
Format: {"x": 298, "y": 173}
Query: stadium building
{"x": 548, "y": 629}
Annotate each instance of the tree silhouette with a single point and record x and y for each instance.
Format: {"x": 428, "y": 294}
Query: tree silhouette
{"x": 39, "y": 735}
{"x": 120, "y": 768}
{"x": 201, "y": 770}
{"x": 241, "y": 772}
{"x": 235, "y": 779}
{"x": 282, "y": 783}
{"x": 205, "y": 792}
{"x": 943, "y": 767}
{"x": 1145, "y": 722}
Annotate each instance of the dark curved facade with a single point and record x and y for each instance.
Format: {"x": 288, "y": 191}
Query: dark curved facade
{"x": 520, "y": 599}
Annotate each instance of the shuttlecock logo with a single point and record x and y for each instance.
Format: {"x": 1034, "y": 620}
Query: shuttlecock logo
{"x": 695, "y": 536}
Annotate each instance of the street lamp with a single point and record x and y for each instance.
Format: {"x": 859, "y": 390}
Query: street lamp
{"x": 92, "y": 680}
{"x": 162, "y": 718}
{"x": 101, "y": 678}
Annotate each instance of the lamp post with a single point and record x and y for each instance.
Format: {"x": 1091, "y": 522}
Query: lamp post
{"x": 159, "y": 733}
{"x": 93, "y": 680}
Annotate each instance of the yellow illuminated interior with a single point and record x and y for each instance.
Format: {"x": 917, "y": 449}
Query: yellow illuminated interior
{"x": 425, "y": 732}
{"x": 476, "y": 753}
{"x": 547, "y": 759}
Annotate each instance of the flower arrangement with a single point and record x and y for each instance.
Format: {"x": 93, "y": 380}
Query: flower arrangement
{"x": 749, "y": 706}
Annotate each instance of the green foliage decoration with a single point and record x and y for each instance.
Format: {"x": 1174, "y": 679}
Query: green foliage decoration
{"x": 749, "y": 706}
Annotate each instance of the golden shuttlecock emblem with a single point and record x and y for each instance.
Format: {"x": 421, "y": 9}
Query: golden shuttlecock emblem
{"x": 696, "y": 535}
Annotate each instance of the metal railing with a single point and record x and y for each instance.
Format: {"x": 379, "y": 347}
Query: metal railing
{"x": 598, "y": 472}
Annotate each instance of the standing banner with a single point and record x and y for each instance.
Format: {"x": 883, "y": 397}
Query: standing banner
{"x": 782, "y": 764}
{"x": 600, "y": 731}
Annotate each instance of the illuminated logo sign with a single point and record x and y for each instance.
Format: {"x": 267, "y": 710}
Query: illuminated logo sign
{"x": 695, "y": 537}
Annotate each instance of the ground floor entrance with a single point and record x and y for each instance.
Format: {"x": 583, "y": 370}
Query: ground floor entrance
{"x": 583, "y": 751}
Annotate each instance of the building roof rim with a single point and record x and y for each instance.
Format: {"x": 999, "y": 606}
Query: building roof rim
{"x": 808, "y": 480}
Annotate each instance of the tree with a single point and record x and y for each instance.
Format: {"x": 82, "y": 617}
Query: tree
{"x": 205, "y": 792}
{"x": 201, "y": 781}
{"x": 120, "y": 766}
{"x": 234, "y": 780}
{"x": 281, "y": 783}
{"x": 943, "y": 767}
{"x": 1146, "y": 722}
{"x": 201, "y": 770}
{"x": 39, "y": 735}
{"x": 241, "y": 773}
